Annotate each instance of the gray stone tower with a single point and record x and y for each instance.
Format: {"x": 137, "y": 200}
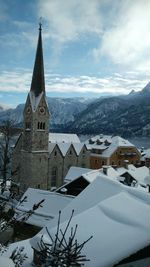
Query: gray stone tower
{"x": 31, "y": 151}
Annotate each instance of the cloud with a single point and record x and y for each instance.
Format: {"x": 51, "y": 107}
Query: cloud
{"x": 15, "y": 81}
{"x": 121, "y": 27}
{"x": 20, "y": 80}
{"x": 70, "y": 19}
{"x": 127, "y": 40}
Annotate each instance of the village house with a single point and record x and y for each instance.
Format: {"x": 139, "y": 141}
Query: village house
{"x": 111, "y": 150}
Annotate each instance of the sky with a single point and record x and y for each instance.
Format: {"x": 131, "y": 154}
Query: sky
{"x": 91, "y": 47}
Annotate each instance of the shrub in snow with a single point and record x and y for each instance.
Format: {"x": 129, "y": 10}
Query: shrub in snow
{"x": 60, "y": 251}
{"x": 18, "y": 256}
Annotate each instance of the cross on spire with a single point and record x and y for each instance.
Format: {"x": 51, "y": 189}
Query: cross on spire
{"x": 40, "y": 24}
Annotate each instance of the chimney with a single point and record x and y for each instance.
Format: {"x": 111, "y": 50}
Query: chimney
{"x": 115, "y": 167}
{"x": 126, "y": 163}
{"x": 105, "y": 169}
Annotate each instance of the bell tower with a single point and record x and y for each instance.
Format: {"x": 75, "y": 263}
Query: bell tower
{"x": 35, "y": 136}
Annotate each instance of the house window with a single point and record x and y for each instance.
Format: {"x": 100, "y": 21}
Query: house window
{"x": 55, "y": 153}
{"x": 70, "y": 152}
{"x": 54, "y": 176}
{"x": 119, "y": 163}
{"x": 38, "y": 186}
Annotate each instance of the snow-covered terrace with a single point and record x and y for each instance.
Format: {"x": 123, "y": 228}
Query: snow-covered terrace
{"x": 53, "y": 202}
{"x": 116, "y": 215}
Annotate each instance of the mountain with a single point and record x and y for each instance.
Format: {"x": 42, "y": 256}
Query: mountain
{"x": 63, "y": 111}
{"x": 123, "y": 115}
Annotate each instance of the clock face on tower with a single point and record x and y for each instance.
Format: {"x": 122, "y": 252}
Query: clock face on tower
{"x": 28, "y": 110}
{"x": 42, "y": 110}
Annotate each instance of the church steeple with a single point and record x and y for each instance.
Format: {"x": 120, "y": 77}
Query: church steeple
{"x": 38, "y": 81}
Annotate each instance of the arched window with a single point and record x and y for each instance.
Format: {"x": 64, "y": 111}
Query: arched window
{"x": 43, "y": 125}
{"x": 54, "y": 176}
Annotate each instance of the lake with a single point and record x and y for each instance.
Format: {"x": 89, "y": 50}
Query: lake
{"x": 140, "y": 141}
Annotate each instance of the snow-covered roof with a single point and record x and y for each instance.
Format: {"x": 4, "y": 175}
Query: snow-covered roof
{"x": 53, "y": 202}
{"x": 91, "y": 176}
{"x": 111, "y": 172}
{"x": 121, "y": 142}
{"x": 95, "y": 146}
{"x": 51, "y": 147}
{"x": 146, "y": 154}
{"x": 63, "y": 138}
{"x": 78, "y": 147}
{"x": 137, "y": 173}
{"x": 101, "y": 137}
{"x": 75, "y": 172}
{"x": 120, "y": 214}
{"x": 117, "y": 141}
{"x": 64, "y": 147}
{"x": 121, "y": 228}
{"x": 102, "y": 187}
{"x": 107, "y": 144}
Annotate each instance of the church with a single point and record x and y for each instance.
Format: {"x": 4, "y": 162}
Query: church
{"x": 32, "y": 165}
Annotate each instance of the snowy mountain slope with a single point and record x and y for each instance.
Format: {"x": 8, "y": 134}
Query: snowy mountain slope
{"x": 123, "y": 115}
{"x": 62, "y": 110}
{"x": 126, "y": 115}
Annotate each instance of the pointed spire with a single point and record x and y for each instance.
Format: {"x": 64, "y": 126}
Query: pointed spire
{"x": 38, "y": 82}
